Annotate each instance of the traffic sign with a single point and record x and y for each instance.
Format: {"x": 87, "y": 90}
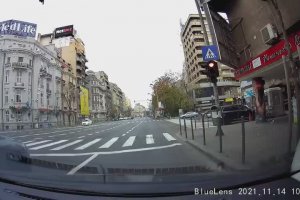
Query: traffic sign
{"x": 210, "y": 53}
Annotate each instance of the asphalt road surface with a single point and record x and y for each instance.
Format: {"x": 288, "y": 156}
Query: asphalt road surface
{"x": 134, "y": 143}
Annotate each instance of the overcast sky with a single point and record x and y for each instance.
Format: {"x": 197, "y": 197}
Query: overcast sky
{"x": 133, "y": 41}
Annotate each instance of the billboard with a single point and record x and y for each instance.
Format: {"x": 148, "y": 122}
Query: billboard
{"x": 18, "y": 28}
{"x": 64, "y": 31}
{"x": 84, "y": 102}
{"x": 62, "y": 42}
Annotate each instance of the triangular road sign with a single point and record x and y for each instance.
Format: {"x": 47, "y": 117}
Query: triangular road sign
{"x": 210, "y": 54}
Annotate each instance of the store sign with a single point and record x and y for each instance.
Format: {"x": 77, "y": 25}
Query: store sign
{"x": 64, "y": 31}
{"x": 18, "y": 28}
{"x": 269, "y": 56}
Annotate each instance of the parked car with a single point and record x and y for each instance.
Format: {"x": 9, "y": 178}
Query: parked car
{"x": 233, "y": 113}
{"x": 189, "y": 114}
{"x": 86, "y": 122}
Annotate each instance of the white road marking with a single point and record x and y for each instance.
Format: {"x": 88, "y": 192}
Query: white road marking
{"x": 109, "y": 143}
{"x": 97, "y": 132}
{"x": 81, "y": 137}
{"x": 90, "y": 134}
{"x": 129, "y": 141}
{"x": 78, "y": 167}
{"x": 149, "y": 139}
{"x": 124, "y": 134}
{"x": 169, "y": 137}
{"x": 48, "y": 145}
{"x": 88, "y": 144}
{"x": 66, "y": 145}
{"x": 27, "y": 142}
{"x": 104, "y": 153}
{"x": 63, "y": 134}
{"x": 35, "y": 143}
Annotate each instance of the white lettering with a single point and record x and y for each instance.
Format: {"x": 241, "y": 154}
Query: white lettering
{"x": 196, "y": 191}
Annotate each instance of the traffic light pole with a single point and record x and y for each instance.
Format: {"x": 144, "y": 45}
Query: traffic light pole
{"x": 217, "y": 103}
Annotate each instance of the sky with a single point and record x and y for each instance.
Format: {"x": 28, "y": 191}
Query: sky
{"x": 133, "y": 41}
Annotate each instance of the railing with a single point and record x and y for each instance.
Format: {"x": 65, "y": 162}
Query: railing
{"x": 19, "y": 85}
{"x": 20, "y": 65}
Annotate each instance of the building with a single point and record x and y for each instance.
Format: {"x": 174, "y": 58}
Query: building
{"x": 139, "y": 110}
{"x": 259, "y": 46}
{"x": 192, "y": 37}
{"x": 72, "y": 51}
{"x": 127, "y": 107}
{"x": 117, "y": 101}
{"x": 97, "y": 91}
{"x": 31, "y": 85}
{"x": 102, "y": 76}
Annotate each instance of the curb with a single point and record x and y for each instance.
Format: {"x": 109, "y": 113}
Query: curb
{"x": 224, "y": 163}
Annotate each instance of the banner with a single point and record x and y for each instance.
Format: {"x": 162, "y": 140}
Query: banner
{"x": 19, "y": 28}
{"x": 84, "y": 101}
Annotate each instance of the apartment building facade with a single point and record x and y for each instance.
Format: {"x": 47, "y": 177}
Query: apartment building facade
{"x": 72, "y": 51}
{"x": 31, "y": 85}
{"x": 117, "y": 100}
{"x": 97, "y": 103}
{"x": 192, "y": 37}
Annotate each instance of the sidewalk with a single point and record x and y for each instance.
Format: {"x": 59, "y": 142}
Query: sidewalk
{"x": 266, "y": 144}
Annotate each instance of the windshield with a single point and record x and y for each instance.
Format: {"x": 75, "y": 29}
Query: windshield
{"x": 128, "y": 89}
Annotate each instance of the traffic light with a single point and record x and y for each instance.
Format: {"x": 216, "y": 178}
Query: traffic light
{"x": 213, "y": 70}
{"x": 42, "y": 1}
{"x": 205, "y": 71}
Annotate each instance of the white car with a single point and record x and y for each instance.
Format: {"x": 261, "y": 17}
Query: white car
{"x": 189, "y": 114}
{"x": 86, "y": 122}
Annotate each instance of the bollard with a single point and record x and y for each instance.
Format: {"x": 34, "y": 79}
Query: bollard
{"x": 192, "y": 128}
{"x": 243, "y": 140}
{"x": 204, "y": 141}
{"x": 185, "y": 127}
{"x": 180, "y": 126}
{"x": 207, "y": 121}
{"x": 195, "y": 122}
{"x": 220, "y": 133}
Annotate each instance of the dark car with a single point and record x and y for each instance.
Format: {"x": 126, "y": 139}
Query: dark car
{"x": 233, "y": 113}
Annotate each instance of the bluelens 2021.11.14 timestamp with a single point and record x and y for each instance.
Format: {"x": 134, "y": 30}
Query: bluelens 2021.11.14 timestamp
{"x": 249, "y": 191}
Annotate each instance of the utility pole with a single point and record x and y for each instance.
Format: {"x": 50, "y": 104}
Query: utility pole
{"x": 215, "y": 87}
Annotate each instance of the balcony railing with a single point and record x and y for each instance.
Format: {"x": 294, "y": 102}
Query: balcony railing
{"x": 44, "y": 73}
{"x": 20, "y": 65}
{"x": 19, "y": 85}
{"x": 49, "y": 92}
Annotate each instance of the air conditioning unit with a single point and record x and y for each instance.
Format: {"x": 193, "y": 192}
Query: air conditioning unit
{"x": 269, "y": 34}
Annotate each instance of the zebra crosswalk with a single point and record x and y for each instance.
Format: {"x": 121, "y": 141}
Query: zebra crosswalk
{"x": 95, "y": 143}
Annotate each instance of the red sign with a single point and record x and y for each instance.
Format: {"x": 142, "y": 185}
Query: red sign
{"x": 269, "y": 56}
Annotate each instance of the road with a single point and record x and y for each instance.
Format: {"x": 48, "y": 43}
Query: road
{"x": 135, "y": 143}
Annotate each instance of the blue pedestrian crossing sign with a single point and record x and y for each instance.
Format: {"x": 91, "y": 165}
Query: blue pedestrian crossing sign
{"x": 210, "y": 53}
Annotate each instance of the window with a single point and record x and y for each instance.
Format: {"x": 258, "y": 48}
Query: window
{"x": 7, "y": 115}
{"x": 18, "y": 96}
{"x": 8, "y": 60}
{"x": 19, "y": 116}
{"x": 20, "y": 59}
{"x": 6, "y": 97}
{"x": 30, "y": 62}
{"x": 19, "y": 76}
{"x": 42, "y": 99}
{"x": 48, "y": 101}
{"x": 6, "y": 76}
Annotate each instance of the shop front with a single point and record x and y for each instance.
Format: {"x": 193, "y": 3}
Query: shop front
{"x": 266, "y": 72}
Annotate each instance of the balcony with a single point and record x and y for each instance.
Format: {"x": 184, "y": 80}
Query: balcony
{"x": 45, "y": 74}
{"x": 19, "y": 85}
{"x": 20, "y": 65}
{"x": 49, "y": 92}
{"x": 227, "y": 75}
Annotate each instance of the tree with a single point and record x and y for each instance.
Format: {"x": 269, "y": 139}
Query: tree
{"x": 168, "y": 90}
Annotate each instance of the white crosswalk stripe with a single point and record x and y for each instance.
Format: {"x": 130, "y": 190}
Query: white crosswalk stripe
{"x": 27, "y": 142}
{"x": 169, "y": 137}
{"x": 35, "y": 143}
{"x": 149, "y": 139}
{"x": 109, "y": 143}
{"x": 129, "y": 141}
{"x": 88, "y": 144}
{"x": 66, "y": 145}
{"x": 48, "y": 145}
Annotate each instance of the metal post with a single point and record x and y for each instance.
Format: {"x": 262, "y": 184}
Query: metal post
{"x": 192, "y": 128}
{"x": 185, "y": 127}
{"x": 204, "y": 141}
{"x": 220, "y": 135}
{"x": 195, "y": 122}
{"x": 289, "y": 96}
{"x": 219, "y": 131}
{"x": 180, "y": 126}
{"x": 243, "y": 140}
